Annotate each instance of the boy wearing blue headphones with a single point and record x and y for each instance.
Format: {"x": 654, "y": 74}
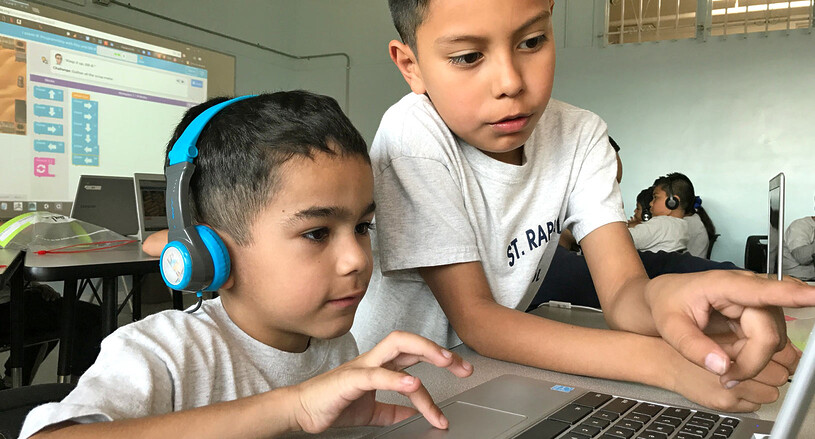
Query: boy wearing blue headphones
{"x": 271, "y": 201}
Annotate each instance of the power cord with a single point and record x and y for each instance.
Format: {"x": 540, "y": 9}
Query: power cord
{"x": 567, "y": 305}
{"x": 198, "y": 305}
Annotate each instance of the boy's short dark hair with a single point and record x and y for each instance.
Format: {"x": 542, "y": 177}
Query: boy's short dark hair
{"x": 644, "y": 198}
{"x": 242, "y": 149}
{"x": 680, "y": 185}
{"x": 407, "y": 15}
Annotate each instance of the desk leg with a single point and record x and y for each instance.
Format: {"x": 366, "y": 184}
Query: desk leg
{"x": 109, "y": 303}
{"x": 136, "y": 299}
{"x": 66, "y": 332}
{"x": 17, "y": 317}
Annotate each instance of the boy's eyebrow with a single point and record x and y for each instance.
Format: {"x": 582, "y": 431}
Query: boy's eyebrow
{"x": 327, "y": 212}
{"x": 453, "y": 39}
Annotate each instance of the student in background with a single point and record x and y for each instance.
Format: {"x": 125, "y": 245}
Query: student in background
{"x": 700, "y": 227}
{"x": 799, "y": 248}
{"x": 642, "y": 212}
{"x": 666, "y": 230}
{"x": 478, "y": 171}
{"x": 285, "y": 180}
{"x": 569, "y": 280}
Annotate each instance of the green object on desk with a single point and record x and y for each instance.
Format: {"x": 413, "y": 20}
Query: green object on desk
{"x": 798, "y": 331}
{"x": 14, "y": 226}
{"x": 34, "y": 231}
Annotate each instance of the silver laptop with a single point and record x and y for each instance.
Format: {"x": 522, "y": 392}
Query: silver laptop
{"x": 150, "y": 207}
{"x": 511, "y": 406}
{"x": 775, "y": 235}
{"x": 108, "y": 202}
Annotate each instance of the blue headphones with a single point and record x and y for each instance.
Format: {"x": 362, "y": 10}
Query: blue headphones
{"x": 195, "y": 258}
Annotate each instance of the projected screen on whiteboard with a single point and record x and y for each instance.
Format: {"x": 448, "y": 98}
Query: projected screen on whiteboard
{"x": 81, "y": 96}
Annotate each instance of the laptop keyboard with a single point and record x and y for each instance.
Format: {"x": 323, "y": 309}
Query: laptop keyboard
{"x": 597, "y": 415}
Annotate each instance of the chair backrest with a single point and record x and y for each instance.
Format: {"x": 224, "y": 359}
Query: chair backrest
{"x": 755, "y": 253}
{"x": 16, "y": 403}
{"x": 710, "y": 245}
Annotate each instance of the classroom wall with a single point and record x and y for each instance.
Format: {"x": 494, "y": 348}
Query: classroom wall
{"x": 728, "y": 113}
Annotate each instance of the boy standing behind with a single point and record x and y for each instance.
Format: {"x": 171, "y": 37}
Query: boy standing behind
{"x": 285, "y": 180}
{"x": 477, "y": 172}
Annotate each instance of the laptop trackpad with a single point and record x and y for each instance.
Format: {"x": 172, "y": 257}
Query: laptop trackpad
{"x": 471, "y": 421}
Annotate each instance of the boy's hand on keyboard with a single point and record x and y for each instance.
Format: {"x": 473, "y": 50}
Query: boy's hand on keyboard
{"x": 684, "y": 305}
{"x": 345, "y": 396}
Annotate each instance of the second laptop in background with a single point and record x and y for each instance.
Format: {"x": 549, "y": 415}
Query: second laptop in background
{"x": 107, "y": 202}
{"x": 150, "y": 203}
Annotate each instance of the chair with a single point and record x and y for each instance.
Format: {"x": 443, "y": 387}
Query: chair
{"x": 755, "y": 253}
{"x": 710, "y": 245}
{"x": 16, "y": 403}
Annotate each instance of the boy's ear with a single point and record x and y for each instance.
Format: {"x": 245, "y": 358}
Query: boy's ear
{"x": 405, "y": 60}
{"x": 230, "y": 281}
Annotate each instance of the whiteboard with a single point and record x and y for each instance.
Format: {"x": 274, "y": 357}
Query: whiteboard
{"x": 81, "y": 96}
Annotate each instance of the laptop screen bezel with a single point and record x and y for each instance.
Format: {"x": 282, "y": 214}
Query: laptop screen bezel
{"x": 139, "y": 179}
{"x": 775, "y": 234}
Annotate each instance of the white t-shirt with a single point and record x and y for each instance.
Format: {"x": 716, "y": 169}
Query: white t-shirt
{"x": 441, "y": 201}
{"x": 661, "y": 233}
{"x": 173, "y": 361}
{"x": 799, "y": 246}
{"x": 698, "y": 241}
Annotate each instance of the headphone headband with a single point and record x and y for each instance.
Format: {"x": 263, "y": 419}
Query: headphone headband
{"x": 195, "y": 258}
{"x": 671, "y": 201}
{"x": 184, "y": 149}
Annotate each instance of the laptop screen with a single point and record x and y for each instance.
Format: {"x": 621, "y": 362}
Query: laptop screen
{"x": 775, "y": 234}
{"x": 150, "y": 197}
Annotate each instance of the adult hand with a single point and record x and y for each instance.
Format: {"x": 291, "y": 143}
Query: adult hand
{"x": 682, "y": 306}
{"x": 345, "y": 396}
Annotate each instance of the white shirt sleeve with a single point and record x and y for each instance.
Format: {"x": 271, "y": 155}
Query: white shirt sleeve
{"x": 421, "y": 218}
{"x": 125, "y": 382}
{"x": 595, "y": 200}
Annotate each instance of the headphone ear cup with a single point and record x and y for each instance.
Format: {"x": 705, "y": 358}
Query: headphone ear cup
{"x": 672, "y": 202}
{"x": 221, "y": 262}
{"x": 175, "y": 265}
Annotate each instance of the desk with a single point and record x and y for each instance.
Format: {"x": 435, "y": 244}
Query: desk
{"x": 442, "y": 385}
{"x": 108, "y": 264}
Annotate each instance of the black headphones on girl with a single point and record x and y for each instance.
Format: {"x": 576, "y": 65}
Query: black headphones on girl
{"x": 671, "y": 200}
{"x": 195, "y": 258}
